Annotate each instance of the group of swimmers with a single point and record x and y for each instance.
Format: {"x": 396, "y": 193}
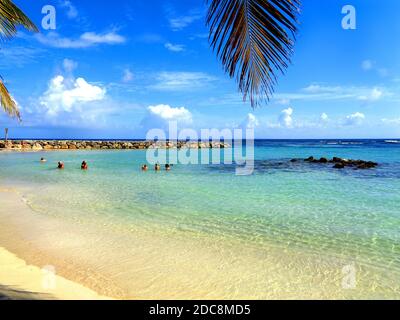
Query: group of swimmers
{"x": 84, "y": 166}
{"x": 157, "y": 167}
{"x": 61, "y": 165}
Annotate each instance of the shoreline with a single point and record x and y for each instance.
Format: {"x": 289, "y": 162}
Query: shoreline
{"x": 22, "y": 281}
{"x": 21, "y": 277}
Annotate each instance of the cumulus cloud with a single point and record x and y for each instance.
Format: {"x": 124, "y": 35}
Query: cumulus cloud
{"x": 63, "y": 95}
{"x": 178, "y": 81}
{"x": 86, "y": 40}
{"x": 285, "y": 118}
{"x": 174, "y": 47}
{"x": 355, "y": 119}
{"x": 159, "y": 116}
{"x": 251, "y": 122}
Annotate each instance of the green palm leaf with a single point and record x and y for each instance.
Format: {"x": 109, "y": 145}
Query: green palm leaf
{"x": 254, "y": 40}
{"x": 7, "y": 102}
{"x": 11, "y": 17}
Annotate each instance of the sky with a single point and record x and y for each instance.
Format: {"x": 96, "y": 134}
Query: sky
{"x": 116, "y": 71}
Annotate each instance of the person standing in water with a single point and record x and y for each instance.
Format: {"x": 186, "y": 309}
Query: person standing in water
{"x": 60, "y": 165}
{"x": 43, "y": 160}
{"x": 157, "y": 167}
{"x": 84, "y": 165}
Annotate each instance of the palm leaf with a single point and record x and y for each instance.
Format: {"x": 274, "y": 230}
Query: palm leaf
{"x": 10, "y": 18}
{"x": 254, "y": 40}
{"x": 7, "y": 102}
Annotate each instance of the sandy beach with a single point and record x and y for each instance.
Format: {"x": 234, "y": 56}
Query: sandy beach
{"x": 22, "y": 280}
{"x": 18, "y": 280}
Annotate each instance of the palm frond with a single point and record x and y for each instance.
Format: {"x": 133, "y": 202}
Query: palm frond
{"x": 10, "y": 18}
{"x": 254, "y": 40}
{"x": 7, "y": 102}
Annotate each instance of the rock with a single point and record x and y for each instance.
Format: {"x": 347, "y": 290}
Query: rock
{"x": 37, "y": 146}
{"x": 367, "y": 165}
{"x": 294, "y": 160}
{"x": 339, "y": 166}
{"x": 323, "y": 160}
{"x": 336, "y": 159}
{"x": 309, "y": 159}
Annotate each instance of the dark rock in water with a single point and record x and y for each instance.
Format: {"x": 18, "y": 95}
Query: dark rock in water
{"x": 341, "y": 163}
{"x": 339, "y": 166}
{"x": 366, "y": 165}
{"x": 294, "y": 160}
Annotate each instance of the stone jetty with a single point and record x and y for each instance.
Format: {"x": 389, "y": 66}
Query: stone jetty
{"x": 40, "y": 145}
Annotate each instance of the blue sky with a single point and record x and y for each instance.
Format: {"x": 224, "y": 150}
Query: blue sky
{"x": 116, "y": 71}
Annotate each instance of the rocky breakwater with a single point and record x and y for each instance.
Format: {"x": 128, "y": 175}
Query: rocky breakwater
{"x": 340, "y": 163}
{"x": 39, "y": 145}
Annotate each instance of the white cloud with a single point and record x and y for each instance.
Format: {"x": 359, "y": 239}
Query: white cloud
{"x": 174, "y": 47}
{"x": 128, "y": 75}
{"x": 72, "y": 12}
{"x": 374, "y": 95}
{"x": 251, "y": 122}
{"x": 324, "y": 118}
{"x": 63, "y": 95}
{"x": 395, "y": 121}
{"x": 178, "y": 81}
{"x": 285, "y": 119}
{"x": 86, "y": 40}
{"x": 182, "y": 22}
{"x": 317, "y": 92}
{"x": 367, "y": 65}
{"x": 355, "y": 119}
{"x": 18, "y": 56}
{"x": 69, "y": 65}
{"x": 159, "y": 116}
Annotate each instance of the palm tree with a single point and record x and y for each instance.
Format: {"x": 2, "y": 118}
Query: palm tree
{"x": 254, "y": 40}
{"x": 11, "y": 17}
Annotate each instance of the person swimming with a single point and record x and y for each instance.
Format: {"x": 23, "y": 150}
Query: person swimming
{"x": 60, "y": 165}
{"x": 43, "y": 160}
{"x": 145, "y": 167}
{"x": 168, "y": 167}
{"x": 157, "y": 167}
{"x": 84, "y": 165}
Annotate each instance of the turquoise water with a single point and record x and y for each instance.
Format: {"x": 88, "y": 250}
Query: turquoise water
{"x": 290, "y": 209}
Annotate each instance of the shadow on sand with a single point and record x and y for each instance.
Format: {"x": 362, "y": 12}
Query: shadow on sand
{"x": 11, "y": 293}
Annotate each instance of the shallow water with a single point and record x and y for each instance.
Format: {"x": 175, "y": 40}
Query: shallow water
{"x": 290, "y": 230}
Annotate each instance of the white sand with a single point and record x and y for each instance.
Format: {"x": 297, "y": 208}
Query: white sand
{"x": 21, "y": 281}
